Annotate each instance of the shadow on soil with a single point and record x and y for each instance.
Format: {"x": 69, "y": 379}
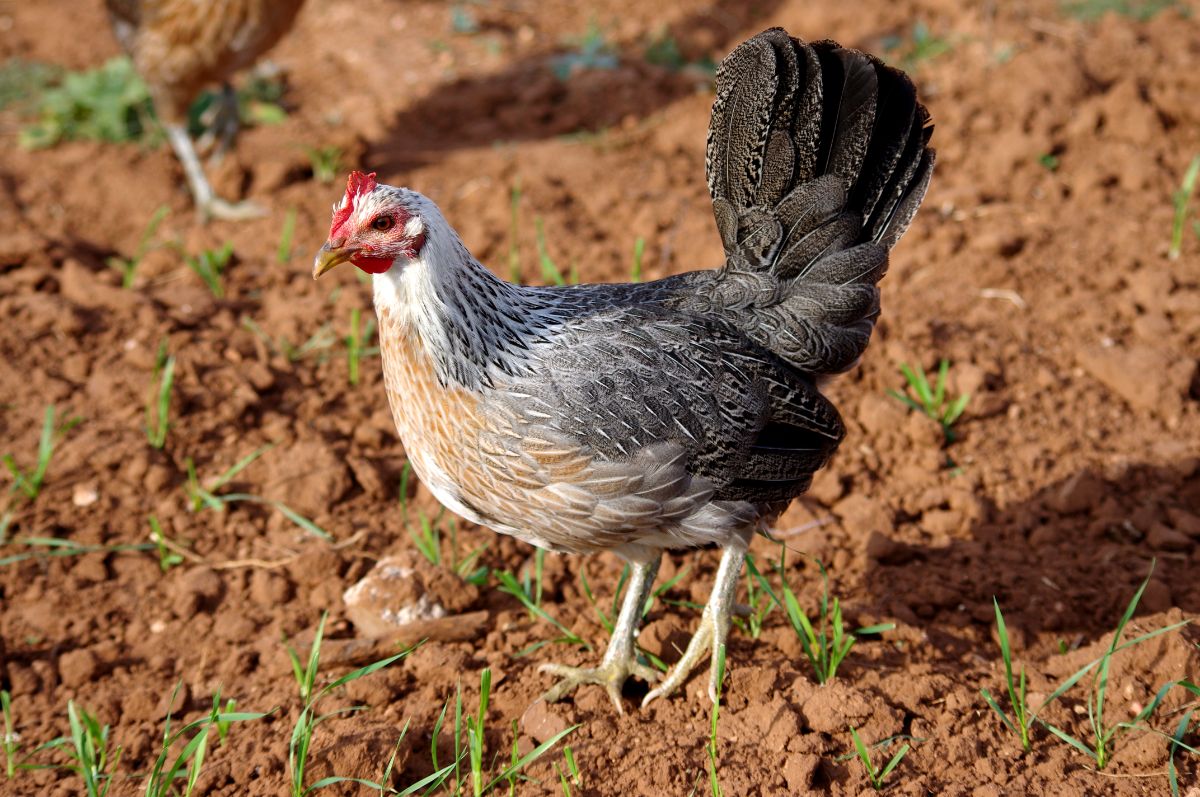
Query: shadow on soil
{"x": 528, "y": 101}
{"x": 1065, "y": 561}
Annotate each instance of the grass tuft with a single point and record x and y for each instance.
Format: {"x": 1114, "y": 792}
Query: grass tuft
{"x": 473, "y": 727}
{"x": 1022, "y": 719}
{"x": 550, "y": 271}
{"x": 514, "y": 249}
{"x": 30, "y": 483}
{"x": 187, "y": 764}
{"x": 210, "y": 267}
{"x": 283, "y": 253}
{"x": 932, "y": 400}
{"x": 54, "y": 547}
{"x": 326, "y": 163}
{"x": 530, "y": 597}
{"x": 635, "y": 269}
{"x": 158, "y": 403}
{"x": 589, "y": 51}
{"x": 1102, "y": 734}
{"x": 309, "y": 720}
{"x": 167, "y": 558}
{"x": 87, "y": 747}
{"x": 825, "y": 642}
{"x": 108, "y": 103}
{"x": 921, "y": 46}
{"x": 360, "y": 334}
{"x": 876, "y": 776}
{"x": 319, "y": 343}
{"x": 8, "y": 743}
{"x": 758, "y": 600}
{"x": 1138, "y": 10}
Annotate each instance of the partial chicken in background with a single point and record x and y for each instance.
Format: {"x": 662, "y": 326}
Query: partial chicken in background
{"x": 637, "y": 418}
{"x": 181, "y": 46}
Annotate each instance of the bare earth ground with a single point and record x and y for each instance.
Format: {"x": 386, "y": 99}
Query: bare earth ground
{"x": 1049, "y": 290}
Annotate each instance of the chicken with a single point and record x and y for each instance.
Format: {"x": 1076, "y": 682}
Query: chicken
{"x": 683, "y": 412}
{"x": 181, "y": 46}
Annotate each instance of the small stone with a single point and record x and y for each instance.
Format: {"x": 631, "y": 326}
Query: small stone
{"x": 368, "y": 475}
{"x": 1077, "y": 494}
{"x": 967, "y": 378}
{"x": 77, "y": 667}
{"x": 1162, "y": 537}
{"x": 80, "y": 286}
{"x": 404, "y": 589}
{"x": 543, "y": 722}
{"x": 85, "y": 494}
{"x": 834, "y": 706}
{"x": 941, "y": 522}
{"x": 234, "y": 626}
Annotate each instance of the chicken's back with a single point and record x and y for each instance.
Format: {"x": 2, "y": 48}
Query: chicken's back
{"x": 181, "y": 46}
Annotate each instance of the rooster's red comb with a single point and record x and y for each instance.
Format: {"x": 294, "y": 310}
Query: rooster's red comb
{"x": 356, "y": 185}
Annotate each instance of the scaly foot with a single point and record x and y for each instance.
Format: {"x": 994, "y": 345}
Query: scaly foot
{"x": 702, "y": 642}
{"x": 610, "y": 674}
{"x": 713, "y": 630}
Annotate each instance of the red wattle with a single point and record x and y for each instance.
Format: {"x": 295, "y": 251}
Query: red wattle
{"x": 372, "y": 265}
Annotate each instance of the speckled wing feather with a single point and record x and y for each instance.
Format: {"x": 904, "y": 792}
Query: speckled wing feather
{"x": 623, "y": 379}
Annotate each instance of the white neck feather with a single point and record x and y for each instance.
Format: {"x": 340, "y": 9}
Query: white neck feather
{"x": 460, "y": 311}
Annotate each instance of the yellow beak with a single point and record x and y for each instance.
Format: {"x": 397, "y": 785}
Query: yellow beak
{"x": 331, "y": 257}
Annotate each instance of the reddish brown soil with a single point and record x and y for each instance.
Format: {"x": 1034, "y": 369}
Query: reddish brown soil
{"x": 1050, "y": 291}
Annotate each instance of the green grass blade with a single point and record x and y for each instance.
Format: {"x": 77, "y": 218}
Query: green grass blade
{"x": 1181, "y": 199}
{"x": 896, "y": 759}
{"x": 955, "y": 410}
{"x": 529, "y": 758}
{"x": 939, "y": 392}
{"x": 987, "y": 696}
{"x": 1181, "y": 731}
{"x": 864, "y": 757}
{"x": 1069, "y": 739}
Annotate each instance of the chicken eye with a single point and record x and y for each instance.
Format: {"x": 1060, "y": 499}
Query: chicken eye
{"x": 383, "y": 223}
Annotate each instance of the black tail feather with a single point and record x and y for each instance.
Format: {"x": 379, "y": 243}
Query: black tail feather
{"x": 817, "y": 160}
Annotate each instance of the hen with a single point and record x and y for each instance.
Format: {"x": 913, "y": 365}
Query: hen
{"x": 181, "y": 46}
{"x": 642, "y": 417}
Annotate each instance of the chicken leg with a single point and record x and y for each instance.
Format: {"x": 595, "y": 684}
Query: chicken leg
{"x": 620, "y": 658}
{"x": 714, "y": 626}
{"x": 208, "y": 204}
